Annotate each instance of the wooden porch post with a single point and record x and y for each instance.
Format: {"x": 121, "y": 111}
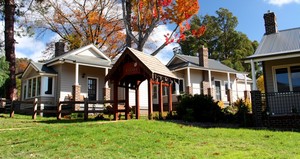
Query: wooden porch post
{"x": 126, "y": 102}
{"x": 160, "y": 98}
{"x": 150, "y": 100}
{"x": 170, "y": 99}
{"x": 115, "y": 105}
{"x": 137, "y": 101}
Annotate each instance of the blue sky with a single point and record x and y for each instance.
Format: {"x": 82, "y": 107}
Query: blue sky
{"x": 249, "y": 14}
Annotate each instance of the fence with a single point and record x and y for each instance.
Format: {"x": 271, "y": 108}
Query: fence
{"x": 281, "y": 103}
{"x": 37, "y": 107}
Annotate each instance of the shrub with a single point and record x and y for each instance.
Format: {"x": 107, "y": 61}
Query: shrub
{"x": 242, "y": 114}
{"x": 199, "y": 108}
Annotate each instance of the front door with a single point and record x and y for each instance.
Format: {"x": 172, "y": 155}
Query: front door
{"x": 92, "y": 89}
{"x": 218, "y": 90}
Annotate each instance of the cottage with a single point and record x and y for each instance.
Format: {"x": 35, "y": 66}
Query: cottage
{"x": 279, "y": 55}
{"x": 72, "y": 75}
{"x": 199, "y": 74}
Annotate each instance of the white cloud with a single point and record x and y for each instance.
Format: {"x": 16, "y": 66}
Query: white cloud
{"x": 29, "y": 47}
{"x": 157, "y": 39}
{"x": 282, "y": 2}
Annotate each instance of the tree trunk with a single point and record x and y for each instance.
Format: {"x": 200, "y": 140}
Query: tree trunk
{"x": 9, "y": 11}
{"x": 128, "y": 19}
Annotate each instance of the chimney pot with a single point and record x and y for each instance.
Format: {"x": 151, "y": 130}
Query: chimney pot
{"x": 59, "y": 48}
{"x": 270, "y": 23}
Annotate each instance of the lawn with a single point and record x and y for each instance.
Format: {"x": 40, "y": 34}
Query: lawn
{"x": 21, "y": 137}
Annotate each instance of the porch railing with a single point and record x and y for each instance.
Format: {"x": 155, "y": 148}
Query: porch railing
{"x": 281, "y": 103}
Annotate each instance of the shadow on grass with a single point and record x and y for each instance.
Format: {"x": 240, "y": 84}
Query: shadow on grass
{"x": 208, "y": 125}
{"x": 68, "y": 121}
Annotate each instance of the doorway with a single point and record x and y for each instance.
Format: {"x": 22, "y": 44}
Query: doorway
{"x": 92, "y": 89}
{"x": 218, "y": 90}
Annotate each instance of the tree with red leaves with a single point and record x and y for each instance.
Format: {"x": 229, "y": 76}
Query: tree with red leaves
{"x": 142, "y": 16}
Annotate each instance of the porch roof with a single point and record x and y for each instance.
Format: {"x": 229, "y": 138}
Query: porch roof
{"x": 71, "y": 56}
{"x": 283, "y": 44}
{"x": 150, "y": 65}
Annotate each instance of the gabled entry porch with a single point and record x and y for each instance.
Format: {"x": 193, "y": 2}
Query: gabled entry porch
{"x": 131, "y": 69}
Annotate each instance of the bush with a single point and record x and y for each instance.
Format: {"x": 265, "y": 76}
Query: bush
{"x": 242, "y": 112}
{"x": 199, "y": 108}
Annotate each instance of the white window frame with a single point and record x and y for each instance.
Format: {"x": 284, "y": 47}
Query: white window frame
{"x": 289, "y": 75}
{"x": 42, "y": 87}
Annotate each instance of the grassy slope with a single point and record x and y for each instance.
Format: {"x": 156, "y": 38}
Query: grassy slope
{"x": 139, "y": 139}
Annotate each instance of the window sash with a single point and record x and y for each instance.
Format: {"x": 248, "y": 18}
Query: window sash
{"x": 39, "y": 86}
{"x": 287, "y": 78}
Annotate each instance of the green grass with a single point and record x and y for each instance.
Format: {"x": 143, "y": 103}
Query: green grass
{"x": 22, "y": 137}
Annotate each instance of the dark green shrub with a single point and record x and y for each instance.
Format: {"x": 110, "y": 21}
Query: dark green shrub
{"x": 242, "y": 114}
{"x": 199, "y": 108}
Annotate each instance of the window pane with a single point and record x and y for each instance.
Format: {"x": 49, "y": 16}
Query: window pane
{"x": 49, "y": 85}
{"x": 24, "y": 91}
{"x": 295, "y": 74}
{"x": 38, "y": 86}
{"x": 180, "y": 86}
{"x": 282, "y": 80}
{"x": 33, "y": 87}
{"x": 174, "y": 88}
{"x": 29, "y": 88}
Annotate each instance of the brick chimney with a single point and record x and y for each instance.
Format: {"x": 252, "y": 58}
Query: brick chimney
{"x": 59, "y": 48}
{"x": 270, "y": 23}
{"x": 203, "y": 56}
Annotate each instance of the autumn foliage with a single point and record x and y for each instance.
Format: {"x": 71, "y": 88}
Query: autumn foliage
{"x": 148, "y": 14}
{"x": 81, "y": 22}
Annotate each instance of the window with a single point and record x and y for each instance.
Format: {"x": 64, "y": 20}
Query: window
{"x": 38, "y": 86}
{"x": 24, "y": 91}
{"x": 29, "y": 88}
{"x": 295, "y": 75}
{"x": 33, "y": 87}
{"x": 181, "y": 86}
{"x": 282, "y": 79}
{"x": 48, "y": 85}
{"x": 287, "y": 79}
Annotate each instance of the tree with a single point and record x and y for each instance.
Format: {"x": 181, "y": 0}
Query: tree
{"x": 4, "y": 72}
{"x": 9, "y": 12}
{"x": 260, "y": 84}
{"x": 224, "y": 43}
{"x": 148, "y": 14}
{"x": 80, "y": 22}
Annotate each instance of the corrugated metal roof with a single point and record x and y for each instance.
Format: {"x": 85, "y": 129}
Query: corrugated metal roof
{"x": 212, "y": 64}
{"x": 282, "y": 42}
{"x": 153, "y": 64}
